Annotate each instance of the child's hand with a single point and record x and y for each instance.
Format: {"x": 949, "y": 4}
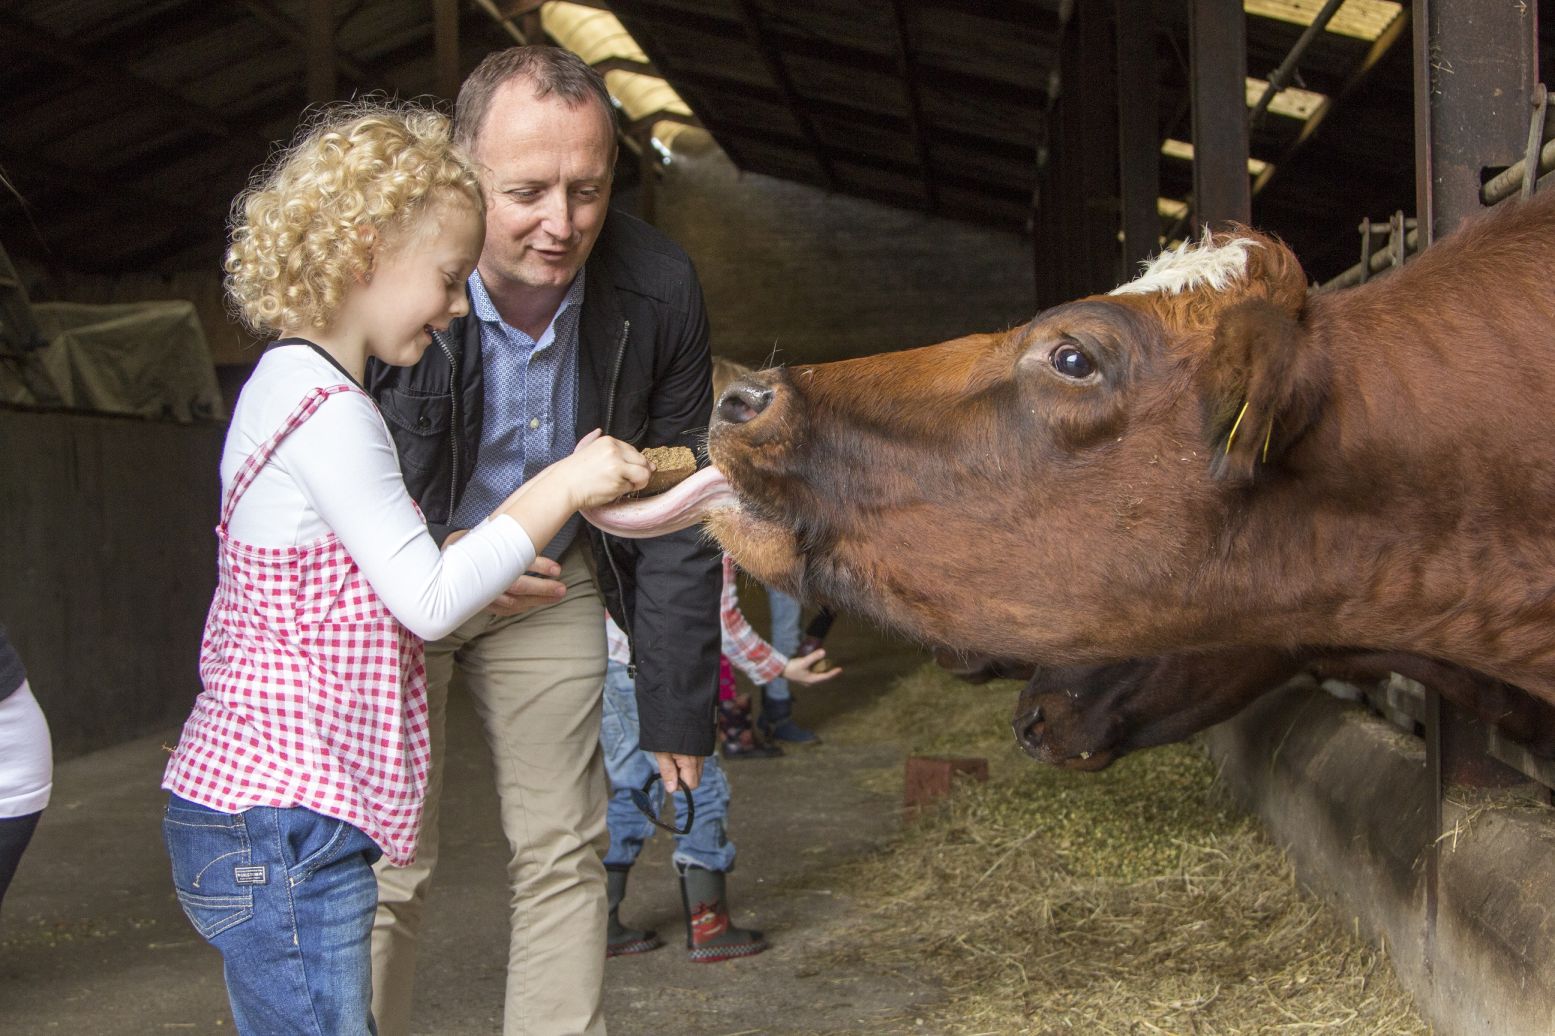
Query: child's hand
{"x": 601, "y": 469}
{"x": 802, "y": 669}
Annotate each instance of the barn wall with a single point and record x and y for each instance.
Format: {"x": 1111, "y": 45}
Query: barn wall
{"x": 108, "y": 567}
{"x": 820, "y": 276}
{"x": 1348, "y": 798}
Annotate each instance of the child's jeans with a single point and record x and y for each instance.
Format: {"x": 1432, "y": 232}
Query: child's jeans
{"x": 287, "y": 896}
{"x": 706, "y": 845}
{"x": 785, "y": 636}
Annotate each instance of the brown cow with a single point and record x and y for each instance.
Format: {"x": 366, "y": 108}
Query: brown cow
{"x": 1086, "y": 717}
{"x": 1208, "y": 457}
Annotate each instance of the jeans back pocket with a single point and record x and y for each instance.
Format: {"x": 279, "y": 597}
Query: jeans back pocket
{"x": 210, "y": 854}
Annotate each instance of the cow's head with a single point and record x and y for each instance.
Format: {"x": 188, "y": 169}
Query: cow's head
{"x": 999, "y": 492}
{"x": 1086, "y": 717}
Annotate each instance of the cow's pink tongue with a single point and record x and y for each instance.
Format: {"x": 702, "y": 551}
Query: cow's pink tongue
{"x": 679, "y": 507}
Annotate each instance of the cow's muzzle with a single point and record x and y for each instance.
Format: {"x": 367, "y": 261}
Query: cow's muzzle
{"x": 744, "y": 401}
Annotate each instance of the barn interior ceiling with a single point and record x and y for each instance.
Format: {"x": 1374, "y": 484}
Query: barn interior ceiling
{"x": 130, "y": 124}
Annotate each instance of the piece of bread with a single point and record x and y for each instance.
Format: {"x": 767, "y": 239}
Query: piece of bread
{"x": 672, "y": 465}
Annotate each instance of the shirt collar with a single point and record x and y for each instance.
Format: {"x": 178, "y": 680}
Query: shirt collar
{"x": 486, "y": 311}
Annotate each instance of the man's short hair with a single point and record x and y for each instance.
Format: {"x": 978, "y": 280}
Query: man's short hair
{"x": 550, "y": 70}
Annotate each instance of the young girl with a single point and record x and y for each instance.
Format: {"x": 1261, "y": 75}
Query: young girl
{"x": 305, "y": 757}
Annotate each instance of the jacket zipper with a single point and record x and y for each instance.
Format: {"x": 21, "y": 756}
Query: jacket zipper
{"x": 610, "y": 411}
{"x": 453, "y": 422}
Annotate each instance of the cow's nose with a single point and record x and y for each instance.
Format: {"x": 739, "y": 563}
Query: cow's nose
{"x": 1029, "y": 729}
{"x": 744, "y": 401}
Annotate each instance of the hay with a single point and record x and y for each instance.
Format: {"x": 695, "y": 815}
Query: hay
{"x": 1130, "y": 901}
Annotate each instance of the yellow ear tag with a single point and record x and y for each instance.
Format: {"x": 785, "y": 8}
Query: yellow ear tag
{"x": 1234, "y": 426}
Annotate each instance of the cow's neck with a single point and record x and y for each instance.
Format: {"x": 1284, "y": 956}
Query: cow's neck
{"x": 1422, "y": 511}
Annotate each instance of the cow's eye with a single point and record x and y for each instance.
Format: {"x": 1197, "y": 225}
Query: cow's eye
{"x": 1072, "y": 363}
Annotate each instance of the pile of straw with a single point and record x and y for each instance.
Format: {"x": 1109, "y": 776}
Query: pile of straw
{"x": 1131, "y": 901}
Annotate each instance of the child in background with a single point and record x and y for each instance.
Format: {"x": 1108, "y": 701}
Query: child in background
{"x": 305, "y": 757}
{"x": 703, "y": 855}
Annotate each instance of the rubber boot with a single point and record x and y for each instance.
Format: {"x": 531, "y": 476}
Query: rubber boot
{"x": 777, "y": 721}
{"x": 710, "y": 935}
{"x": 622, "y": 940}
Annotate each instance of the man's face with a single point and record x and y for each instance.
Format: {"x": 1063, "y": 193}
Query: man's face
{"x": 546, "y": 168}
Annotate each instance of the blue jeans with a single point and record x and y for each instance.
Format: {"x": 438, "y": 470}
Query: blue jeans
{"x": 706, "y": 845}
{"x": 785, "y": 636}
{"x": 15, "y": 833}
{"x": 287, "y": 896}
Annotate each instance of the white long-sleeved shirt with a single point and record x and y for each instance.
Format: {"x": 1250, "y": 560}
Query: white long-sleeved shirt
{"x": 339, "y": 472}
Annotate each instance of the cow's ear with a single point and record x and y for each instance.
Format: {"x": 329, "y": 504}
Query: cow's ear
{"x": 1263, "y": 383}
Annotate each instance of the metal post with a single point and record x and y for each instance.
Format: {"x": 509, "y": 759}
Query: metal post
{"x": 1475, "y": 69}
{"x": 1217, "y": 54}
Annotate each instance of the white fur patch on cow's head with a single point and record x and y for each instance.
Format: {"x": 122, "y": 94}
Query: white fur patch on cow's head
{"x": 1191, "y": 266}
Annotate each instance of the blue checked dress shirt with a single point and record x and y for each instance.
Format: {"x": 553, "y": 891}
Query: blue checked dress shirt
{"x": 531, "y": 406}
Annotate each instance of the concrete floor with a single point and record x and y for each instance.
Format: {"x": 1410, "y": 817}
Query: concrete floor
{"x": 92, "y": 942}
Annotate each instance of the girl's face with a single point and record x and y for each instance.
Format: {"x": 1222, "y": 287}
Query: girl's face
{"x": 417, "y": 282}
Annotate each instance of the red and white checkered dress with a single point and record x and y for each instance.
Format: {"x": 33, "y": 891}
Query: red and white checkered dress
{"x": 315, "y": 695}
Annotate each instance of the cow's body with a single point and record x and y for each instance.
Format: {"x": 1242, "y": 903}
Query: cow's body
{"x": 1208, "y": 458}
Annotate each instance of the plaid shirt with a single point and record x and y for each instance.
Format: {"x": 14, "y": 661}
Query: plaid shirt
{"x": 756, "y": 658}
{"x": 314, "y": 694}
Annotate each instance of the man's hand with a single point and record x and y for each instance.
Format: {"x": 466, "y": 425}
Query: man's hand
{"x": 679, "y": 770}
{"x": 538, "y": 586}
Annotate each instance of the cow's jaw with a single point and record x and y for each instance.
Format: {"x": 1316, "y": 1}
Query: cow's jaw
{"x": 763, "y": 548}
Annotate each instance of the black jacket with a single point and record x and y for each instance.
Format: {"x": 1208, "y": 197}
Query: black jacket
{"x": 643, "y": 376}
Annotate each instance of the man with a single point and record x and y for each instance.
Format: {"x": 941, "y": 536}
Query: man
{"x": 580, "y": 318}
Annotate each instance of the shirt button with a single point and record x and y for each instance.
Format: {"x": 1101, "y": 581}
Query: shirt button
{"x": 534, "y": 422}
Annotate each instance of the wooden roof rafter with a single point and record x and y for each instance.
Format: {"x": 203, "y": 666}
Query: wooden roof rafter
{"x": 772, "y": 58}
{"x": 268, "y": 14}
{"x": 907, "y": 70}
{"x": 25, "y": 35}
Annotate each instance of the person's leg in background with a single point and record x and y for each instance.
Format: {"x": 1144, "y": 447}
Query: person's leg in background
{"x": 402, "y": 891}
{"x": 535, "y": 680}
{"x": 777, "y": 703}
{"x": 629, "y": 768}
{"x": 815, "y": 632}
{"x": 15, "y": 833}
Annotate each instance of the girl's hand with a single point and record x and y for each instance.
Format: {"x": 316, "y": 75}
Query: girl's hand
{"x": 802, "y": 669}
{"x": 601, "y": 469}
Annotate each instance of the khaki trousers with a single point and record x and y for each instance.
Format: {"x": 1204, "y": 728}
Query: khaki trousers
{"x": 536, "y": 682}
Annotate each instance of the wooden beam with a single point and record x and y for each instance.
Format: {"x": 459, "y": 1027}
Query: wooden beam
{"x": 1139, "y": 130}
{"x": 772, "y": 58}
{"x": 908, "y": 74}
{"x": 26, "y": 164}
{"x": 445, "y": 36}
{"x": 1217, "y": 56}
{"x": 321, "y": 51}
{"x": 25, "y": 36}
{"x": 641, "y": 127}
{"x": 271, "y": 17}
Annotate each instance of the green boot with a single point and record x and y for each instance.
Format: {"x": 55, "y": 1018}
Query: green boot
{"x": 622, "y": 940}
{"x": 710, "y": 935}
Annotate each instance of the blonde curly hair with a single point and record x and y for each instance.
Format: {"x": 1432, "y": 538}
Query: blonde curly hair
{"x": 297, "y": 232}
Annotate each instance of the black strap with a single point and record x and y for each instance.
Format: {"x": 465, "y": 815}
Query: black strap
{"x": 324, "y": 353}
